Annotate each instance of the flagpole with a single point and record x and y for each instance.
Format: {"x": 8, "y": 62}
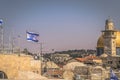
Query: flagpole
{"x": 40, "y": 57}
{"x": 41, "y": 49}
{"x": 1, "y": 36}
{"x": 3, "y": 39}
{"x": 32, "y": 36}
{"x": 19, "y": 45}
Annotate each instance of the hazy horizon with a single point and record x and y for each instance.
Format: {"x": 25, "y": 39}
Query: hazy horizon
{"x": 62, "y": 24}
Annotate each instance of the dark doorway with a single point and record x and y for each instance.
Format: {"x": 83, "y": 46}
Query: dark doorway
{"x": 3, "y": 75}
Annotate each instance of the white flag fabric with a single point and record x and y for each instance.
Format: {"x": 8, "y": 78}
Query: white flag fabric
{"x": 31, "y": 36}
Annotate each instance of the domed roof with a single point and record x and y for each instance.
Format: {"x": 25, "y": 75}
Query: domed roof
{"x": 100, "y": 40}
{"x": 72, "y": 65}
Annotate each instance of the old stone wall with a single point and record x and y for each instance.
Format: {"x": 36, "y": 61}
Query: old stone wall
{"x": 11, "y": 64}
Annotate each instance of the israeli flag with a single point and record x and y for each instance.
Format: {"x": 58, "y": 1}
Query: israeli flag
{"x": 112, "y": 75}
{"x": 1, "y": 21}
{"x": 31, "y": 36}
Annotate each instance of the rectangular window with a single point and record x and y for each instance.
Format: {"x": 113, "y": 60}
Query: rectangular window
{"x": 109, "y": 62}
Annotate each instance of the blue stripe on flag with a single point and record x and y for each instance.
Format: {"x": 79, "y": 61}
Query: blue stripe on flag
{"x": 32, "y": 36}
{"x": 1, "y": 21}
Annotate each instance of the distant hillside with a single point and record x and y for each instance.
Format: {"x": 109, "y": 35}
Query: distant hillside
{"x": 73, "y": 53}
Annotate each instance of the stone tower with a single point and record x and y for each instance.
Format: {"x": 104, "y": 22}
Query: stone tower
{"x": 109, "y": 38}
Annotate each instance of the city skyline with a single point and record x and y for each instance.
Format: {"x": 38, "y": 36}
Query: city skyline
{"x": 61, "y": 24}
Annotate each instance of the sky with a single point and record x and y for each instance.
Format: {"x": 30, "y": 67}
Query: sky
{"x": 62, "y": 24}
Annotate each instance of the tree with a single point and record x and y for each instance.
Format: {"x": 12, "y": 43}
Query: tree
{"x": 26, "y": 52}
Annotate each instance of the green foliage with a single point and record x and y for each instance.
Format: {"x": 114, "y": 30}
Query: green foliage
{"x": 25, "y": 51}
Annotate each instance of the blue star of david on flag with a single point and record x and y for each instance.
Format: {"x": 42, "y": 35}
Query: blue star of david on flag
{"x": 31, "y": 36}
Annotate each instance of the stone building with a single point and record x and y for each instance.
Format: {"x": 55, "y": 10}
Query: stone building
{"x": 90, "y": 73}
{"x": 60, "y": 58}
{"x": 110, "y": 61}
{"x": 108, "y": 46}
{"x": 109, "y": 41}
{"x": 22, "y": 67}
